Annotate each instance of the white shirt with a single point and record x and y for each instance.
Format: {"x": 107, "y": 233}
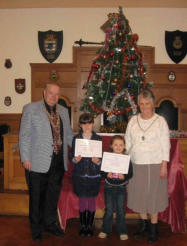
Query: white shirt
{"x": 148, "y": 141}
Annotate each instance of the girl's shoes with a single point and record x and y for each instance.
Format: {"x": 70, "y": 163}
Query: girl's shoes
{"x": 123, "y": 237}
{"x": 90, "y": 220}
{"x": 82, "y": 231}
{"x": 102, "y": 235}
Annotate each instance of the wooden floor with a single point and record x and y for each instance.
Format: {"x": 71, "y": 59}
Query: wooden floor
{"x": 15, "y": 231}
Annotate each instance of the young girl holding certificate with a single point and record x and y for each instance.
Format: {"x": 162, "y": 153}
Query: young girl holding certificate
{"x": 86, "y": 176}
{"x": 115, "y": 194}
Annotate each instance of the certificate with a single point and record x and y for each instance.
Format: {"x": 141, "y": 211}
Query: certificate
{"x": 115, "y": 163}
{"x": 88, "y": 148}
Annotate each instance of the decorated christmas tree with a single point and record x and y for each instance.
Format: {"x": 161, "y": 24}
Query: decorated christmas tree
{"x": 117, "y": 73}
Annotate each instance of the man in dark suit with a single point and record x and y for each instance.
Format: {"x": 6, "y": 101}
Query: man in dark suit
{"x": 45, "y": 134}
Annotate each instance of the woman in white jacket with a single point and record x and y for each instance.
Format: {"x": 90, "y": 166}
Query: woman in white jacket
{"x": 148, "y": 143}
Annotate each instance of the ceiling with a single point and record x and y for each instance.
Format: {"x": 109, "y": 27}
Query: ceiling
{"x": 11, "y": 4}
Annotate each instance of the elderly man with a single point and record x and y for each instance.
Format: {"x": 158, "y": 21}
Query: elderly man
{"x": 45, "y": 134}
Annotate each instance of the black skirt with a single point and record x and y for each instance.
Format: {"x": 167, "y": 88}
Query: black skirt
{"x": 86, "y": 186}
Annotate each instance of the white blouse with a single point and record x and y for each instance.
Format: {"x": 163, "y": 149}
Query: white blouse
{"x": 148, "y": 141}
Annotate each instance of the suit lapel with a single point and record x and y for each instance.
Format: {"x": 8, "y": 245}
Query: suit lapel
{"x": 44, "y": 117}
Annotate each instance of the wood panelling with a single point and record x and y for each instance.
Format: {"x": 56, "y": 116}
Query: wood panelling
{"x": 14, "y": 174}
{"x": 175, "y": 91}
{"x": 13, "y": 120}
{"x": 159, "y": 75}
{"x": 16, "y": 203}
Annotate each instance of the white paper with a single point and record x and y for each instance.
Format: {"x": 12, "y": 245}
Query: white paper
{"x": 88, "y": 148}
{"x": 115, "y": 163}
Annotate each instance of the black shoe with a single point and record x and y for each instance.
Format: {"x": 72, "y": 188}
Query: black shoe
{"x": 55, "y": 230}
{"x": 82, "y": 231}
{"x": 153, "y": 234}
{"x": 90, "y": 220}
{"x": 89, "y": 231}
{"x": 37, "y": 238}
{"x": 144, "y": 229}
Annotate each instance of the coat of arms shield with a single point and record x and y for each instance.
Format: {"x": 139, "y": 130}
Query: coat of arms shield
{"x": 50, "y": 44}
{"x": 20, "y": 85}
{"x": 176, "y": 45}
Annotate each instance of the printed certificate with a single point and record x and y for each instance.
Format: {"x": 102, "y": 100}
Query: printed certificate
{"x": 88, "y": 148}
{"x": 115, "y": 163}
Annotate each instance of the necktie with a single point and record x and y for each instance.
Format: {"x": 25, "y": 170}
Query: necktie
{"x": 55, "y": 122}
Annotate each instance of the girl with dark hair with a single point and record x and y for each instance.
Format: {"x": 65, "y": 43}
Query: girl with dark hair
{"x": 86, "y": 176}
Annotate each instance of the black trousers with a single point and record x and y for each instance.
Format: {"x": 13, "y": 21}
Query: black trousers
{"x": 44, "y": 190}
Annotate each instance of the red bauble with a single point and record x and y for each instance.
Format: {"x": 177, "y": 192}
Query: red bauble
{"x": 95, "y": 65}
{"x": 135, "y": 37}
{"x": 103, "y": 56}
{"x": 133, "y": 57}
{"x": 112, "y": 53}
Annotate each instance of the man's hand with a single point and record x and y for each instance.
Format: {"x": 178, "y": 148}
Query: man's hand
{"x": 27, "y": 165}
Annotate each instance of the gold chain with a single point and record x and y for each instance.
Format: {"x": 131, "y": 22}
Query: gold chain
{"x": 56, "y": 127}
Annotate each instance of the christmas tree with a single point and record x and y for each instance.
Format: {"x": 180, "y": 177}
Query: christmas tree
{"x": 117, "y": 73}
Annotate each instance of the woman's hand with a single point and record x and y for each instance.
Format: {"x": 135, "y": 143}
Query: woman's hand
{"x": 77, "y": 158}
{"x": 163, "y": 170}
{"x": 95, "y": 160}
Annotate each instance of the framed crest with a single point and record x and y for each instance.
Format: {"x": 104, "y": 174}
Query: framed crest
{"x": 7, "y": 101}
{"x": 176, "y": 45}
{"x": 8, "y": 63}
{"x": 50, "y": 44}
{"x": 20, "y": 85}
{"x": 171, "y": 76}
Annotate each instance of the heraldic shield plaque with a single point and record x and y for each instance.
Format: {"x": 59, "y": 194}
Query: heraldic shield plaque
{"x": 20, "y": 85}
{"x": 50, "y": 44}
{"x": 176, "y": 45}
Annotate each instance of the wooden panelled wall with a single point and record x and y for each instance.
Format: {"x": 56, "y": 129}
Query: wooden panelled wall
{"x": 72, "y": 77}
{"x": 13, "y": 120}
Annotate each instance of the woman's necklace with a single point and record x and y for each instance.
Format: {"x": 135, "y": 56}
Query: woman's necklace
{"x": 144, "y": 131}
